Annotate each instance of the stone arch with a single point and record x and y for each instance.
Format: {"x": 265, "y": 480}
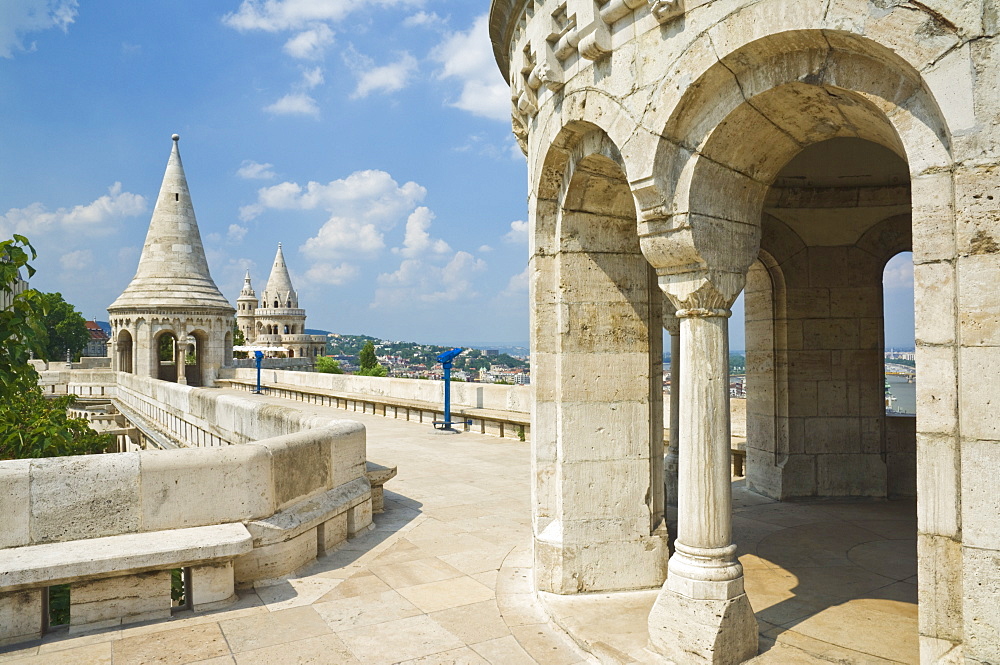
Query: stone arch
{"x": 163, "y": 361}
{"x": 124, "y": 350}
{"x": 198, "y": 341}
{"x": 597, "y": 349}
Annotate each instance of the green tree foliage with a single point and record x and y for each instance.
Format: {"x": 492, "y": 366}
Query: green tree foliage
{"x": 30, "y": 424}
{"x": 328, "y": 365}
{"x": 369, "y": 363}
{"x": 66, "y": 328}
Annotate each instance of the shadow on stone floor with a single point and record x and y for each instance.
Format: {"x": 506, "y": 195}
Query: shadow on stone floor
{"x": 836, "y": 578}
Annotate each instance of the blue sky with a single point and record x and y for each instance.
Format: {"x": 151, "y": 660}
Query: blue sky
{"x": 370, "y": 137}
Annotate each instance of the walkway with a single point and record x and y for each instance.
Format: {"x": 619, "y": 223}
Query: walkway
{"x": 444, "y": 578}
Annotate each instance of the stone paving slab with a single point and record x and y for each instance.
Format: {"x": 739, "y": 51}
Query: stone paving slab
{"x": 445, "y": 577}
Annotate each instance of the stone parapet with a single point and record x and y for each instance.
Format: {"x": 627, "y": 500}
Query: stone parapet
{"x": 296, "y": 481}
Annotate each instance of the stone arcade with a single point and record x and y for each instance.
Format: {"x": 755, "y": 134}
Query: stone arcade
{"x": 694, "y": 149}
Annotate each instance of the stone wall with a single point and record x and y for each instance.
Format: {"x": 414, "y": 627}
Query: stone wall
{"x": 463, "y": 395}
{"x": 288, "y": 457}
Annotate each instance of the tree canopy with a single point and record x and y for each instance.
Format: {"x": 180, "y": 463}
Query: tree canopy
{"x": 368, "y": 362}
{"x": 30, "y": 424}
{"x": 66, "y": 328}
{"x": 328, "y": 365}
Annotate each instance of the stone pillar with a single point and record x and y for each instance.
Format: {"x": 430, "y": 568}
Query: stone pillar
{"x": 702, "y": 611}
{"x": 673, "y": 326}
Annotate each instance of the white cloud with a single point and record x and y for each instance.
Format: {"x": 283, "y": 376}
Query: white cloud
{"x": 341, "y": 236}
{"x": 94, "y": 217}
{"x": 279, "y": 15}
{"x": 517, "y": 285}
{"x": 898, "y": 273}
{"x": 299, "y": 101}
{"x": 418, "y": 241}
{"x": 468, "y": 58}
{"x": 251, "y": 170}
{"x": 21, "y": 17}
{"x": 386, "y": 78}
{"x": 518, "y": 232}
{"x": 236, "y": 233}
{"x": 296, "y": 103}
{"x": 418, "y": 281}
{"x": 424, "y": 20}
{"x": 485, "y": 249}
{"x": 310, "y": 44}
{"x": 370, "y": 195}
{"x": 81, "y": 259}
{"x": 328, "y": 273}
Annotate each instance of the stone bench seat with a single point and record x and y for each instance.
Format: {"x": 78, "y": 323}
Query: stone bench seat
{"x": 378, "y": 476}
{"x": 58, "y": 563}
{"x": 117, "y": 579}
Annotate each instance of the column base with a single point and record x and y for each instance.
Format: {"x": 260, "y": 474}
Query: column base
{"x": 594, "y": 567}
{"x": 686, "y": 630}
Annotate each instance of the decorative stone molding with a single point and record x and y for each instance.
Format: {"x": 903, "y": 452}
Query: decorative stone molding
{"x": 666, "y": 10}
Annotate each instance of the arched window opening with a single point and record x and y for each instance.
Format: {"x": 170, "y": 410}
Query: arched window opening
{"x": 900, "y": 358}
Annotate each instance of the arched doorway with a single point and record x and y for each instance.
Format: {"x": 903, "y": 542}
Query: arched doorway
{"x": 165, "y": 356}
{"x": 124, "y": 349}
{"x": 597, "y": 426}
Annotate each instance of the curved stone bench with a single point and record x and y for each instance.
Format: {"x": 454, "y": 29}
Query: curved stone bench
{"x": 117, "y": 579}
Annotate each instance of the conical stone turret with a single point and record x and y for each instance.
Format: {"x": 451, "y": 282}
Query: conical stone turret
{"x": 173, "y": 271}
{"x": 171, "y": 322}
{"x": 279, "y": 285}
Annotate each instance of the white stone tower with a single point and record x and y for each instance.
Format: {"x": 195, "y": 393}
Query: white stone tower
{"x": 279, "y": 321}
{"x": 246, "y": 306}
{"x": 172, "y": 295}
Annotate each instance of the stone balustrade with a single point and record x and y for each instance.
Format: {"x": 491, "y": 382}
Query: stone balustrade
{"x": 496, "y": 410}
{"x": 295, "y": 483}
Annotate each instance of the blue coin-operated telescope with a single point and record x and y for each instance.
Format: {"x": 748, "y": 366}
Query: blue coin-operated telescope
{"x": 258, "y": 356}
{"x": 445, "y": 360}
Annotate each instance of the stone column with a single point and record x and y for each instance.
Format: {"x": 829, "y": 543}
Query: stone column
{"x": 702, "y": 613}
{"x": 180, "y": 355}
{"x": 673, "y": 326}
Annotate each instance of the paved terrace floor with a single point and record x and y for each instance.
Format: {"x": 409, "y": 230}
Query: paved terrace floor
{"x": 444, "y": 578}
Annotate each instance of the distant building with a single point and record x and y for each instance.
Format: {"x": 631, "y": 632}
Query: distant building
{"x": 276, "y": 319}
{"x": 97, "y": 345}
{"x": 491, "y": 352}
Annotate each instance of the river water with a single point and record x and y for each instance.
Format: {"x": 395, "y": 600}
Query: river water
{"x": 905, "y": 394}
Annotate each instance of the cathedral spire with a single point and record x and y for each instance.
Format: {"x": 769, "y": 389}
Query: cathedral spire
{"x": 172, "y": 269}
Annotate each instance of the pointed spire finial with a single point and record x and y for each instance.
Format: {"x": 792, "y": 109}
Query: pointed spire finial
{"x": 176, "y": 137}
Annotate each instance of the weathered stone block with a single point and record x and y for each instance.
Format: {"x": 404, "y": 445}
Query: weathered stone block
{"x": 686, "y": 630}
{"x": 980, "y": 498}
{"x": 851, "y": 475}
{"x": 980, "y": 614}
{"x": 21, "y": 616}
{"x": 211, "y": 583}
{"x": 978, "y": 405}
{"x": 272, "y": 561}
{"x": 332, "y": 532}
{"x": 15, "y": 503}
{"x": 978, "y": 304}
{"x": 84, "y": 497}
{"x": 116, "y": 600}
{"x": 197, "y": 487}
{"x": 934, "y": 321}
{"x": 359, "y": 518}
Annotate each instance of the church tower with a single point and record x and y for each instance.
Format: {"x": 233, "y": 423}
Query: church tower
{"x": 171, "y": 322}
{"x": 246, "y": 306}
{"x": 278, "y": 320}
